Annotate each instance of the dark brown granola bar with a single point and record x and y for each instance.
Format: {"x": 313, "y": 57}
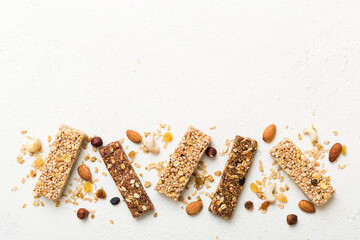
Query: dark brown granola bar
{"x": 126, "y": 179}
{"x": 233, "y": 178}
{"x": 61, "y": 160}
{"x": 315, "y": 185}
{"x": 183, "y": 162}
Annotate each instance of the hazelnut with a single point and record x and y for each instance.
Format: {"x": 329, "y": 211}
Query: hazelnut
{"x": 100, "y": 193}
{"x": 211, "y": 152}
{"x": 96, "y": 141}
{"x": 249, "y": 205}
{"x": 291, "y": 219}
{"x": 82, "y": 213}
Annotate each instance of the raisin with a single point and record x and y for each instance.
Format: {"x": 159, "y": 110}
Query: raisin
{"x": 115, "y": 200}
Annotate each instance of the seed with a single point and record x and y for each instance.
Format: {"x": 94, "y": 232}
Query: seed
{"x": 254, "y": 187}
{"x": 211, "y": 152}
{"x": 82, "y": 213}
{"x": 292, "y": 219}
{"x": 101, "y": 193}
{"x": 96, "y": 141}
{"x": 115, "y": 200}
{"x": 249, "y": 205}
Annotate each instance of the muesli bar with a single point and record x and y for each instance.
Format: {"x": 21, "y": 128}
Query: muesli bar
{"x": 125, "y": 178}
{"x": 315, "y": 185}
{"x": 183, "y": 162}
{"x": 64, "y": 152}
{"x": 233, "y": 178}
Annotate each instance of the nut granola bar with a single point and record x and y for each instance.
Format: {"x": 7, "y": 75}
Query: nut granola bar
{"x": 125, "y": 178}
{"x": 183, "y": 162}
{"x": 61, "y": 160}
{"x": 233, "y": 178}
{"x": 314, "y": 185}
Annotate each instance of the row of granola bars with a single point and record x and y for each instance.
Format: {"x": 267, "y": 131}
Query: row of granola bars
{"x": 65, "y": 150}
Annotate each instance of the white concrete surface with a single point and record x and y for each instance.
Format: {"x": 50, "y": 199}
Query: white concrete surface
{"x": 108, "y": 66}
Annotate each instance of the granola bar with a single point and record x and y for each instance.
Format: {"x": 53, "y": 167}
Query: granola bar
{"x": 233, "y": 178}
{"x": 183, "y": 162}
{"x": 125, "y": 178}
{"x": 61, "y": 160}
{"x": 304, "y": 173}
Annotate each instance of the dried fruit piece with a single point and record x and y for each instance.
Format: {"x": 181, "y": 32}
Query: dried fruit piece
{"x": 306, "y": 206}
{"x": 82, "y": 213}
{"x": 100, "y": 193}
{"x": 168, "y": 137}
{"x": 254, "y": 187}
{"x": 96, "y": 141}
{"x": 84, "y": 172}
{"x": 343, "y": 150}
{"x": 249, "y": 205}
{"x": 194, "y": 207}
{"x": 87, "y": 187}
{"x": 269, "y": 133}
{"x": 132, "y": 154}
{"x": 291, "y": 219}
{"x": 335, "y": 152}
{"x": 134, "y": 136}
{"x": 264, "y": 206}
{"x": 217, "y": 173}
{"x": 211, "y": 152}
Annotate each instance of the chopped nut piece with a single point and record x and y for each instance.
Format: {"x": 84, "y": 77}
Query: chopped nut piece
{"x": 147, "y": 184}
{"x": 217, "y": 173}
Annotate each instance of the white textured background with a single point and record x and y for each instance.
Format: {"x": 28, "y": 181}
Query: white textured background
{"x": 107, "y": 66}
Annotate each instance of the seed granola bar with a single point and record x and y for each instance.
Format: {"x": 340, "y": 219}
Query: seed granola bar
{"x": 233, "y": 178}
{"x": 125, "y": 178}
{"x": 61, "y": 160}
{"x": 304, "y": 173}
{"x": 183, "y": 162}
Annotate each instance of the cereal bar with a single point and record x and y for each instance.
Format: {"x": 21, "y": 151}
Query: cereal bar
{"x": 183, "y": 162}
{"x": 125, "y": 178}
{"x": 61, "y": 160}
{"x": 290, "y": 158}
{"x": 233, "y": 178}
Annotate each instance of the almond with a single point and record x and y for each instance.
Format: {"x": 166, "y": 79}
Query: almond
{"x": 84, "y": 172}
{"x": 194, "y": 207}
{"x": 269, "y": 133}
{"x": 134, "y": 136}
{"x": 335, "y": 152}
{"x": 306, "y": 206}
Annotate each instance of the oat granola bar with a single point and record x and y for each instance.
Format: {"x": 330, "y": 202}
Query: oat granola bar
{"x": 304, "y": 173}
{"x": 233, "y": 178}
{"x": 125, "y": 178}
{"x": 183, "y": 162}
{"x": 61, "y": 160}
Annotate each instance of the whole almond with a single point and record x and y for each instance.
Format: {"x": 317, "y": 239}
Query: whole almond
{"x": 84, "y": 172}
{"x": 306, "y": 206}
{"x": 134, "y": 136}
{"x": 194, "y": 207}
{"x": 335, "y": 152}
{"x": 269, "y": 133}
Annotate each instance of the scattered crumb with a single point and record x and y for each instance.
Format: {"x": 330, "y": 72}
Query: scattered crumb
{"x": 14, "y": 189}
{"x": 147, "y": 184}
{"x": 261, "y": 167}
{"x": 287, "y": 126}
{"x": 137, "y": 165}
{"x": 326, "y": 142}
{"x": 23, "y": 180}
{"x": 217, "y": 173}
{"x": 162, "y": 125}
{"x": 299, "y": 136}
{"x": 23, "y": 132}
{"x": 213, "y": 128}
{"x": 24, "y": 206}
{"x": 111, "y": 221}
{"x": 104, "y": 174}
{"x": 92, "y": 216}
{"x": 155, "y": 215}
{"x": 335, "y": 133}
{"x": 49, "y": 139}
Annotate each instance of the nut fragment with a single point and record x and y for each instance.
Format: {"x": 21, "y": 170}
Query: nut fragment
{"x": 194, "y": 207}
{"x": 84, "y": 172}
{"x": 306, "y": 206}
{"x": 281, "y": 198}
{"x": 268, "y": 192}
{"x": 291, "y": 219}
{"x": 312, "y": 133}
{"x": 211, "y": 152}
{"x": 269, "y": 133}
{"x": 335, "y": 152}
{"x": 134, "y": 136}
{"x": 34, "y": 146}
{"x": 150, "y": 145}
{"x": 82, "y": 213}
{"x": 100, "y": 193}
{"x": 217, "y": 173}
